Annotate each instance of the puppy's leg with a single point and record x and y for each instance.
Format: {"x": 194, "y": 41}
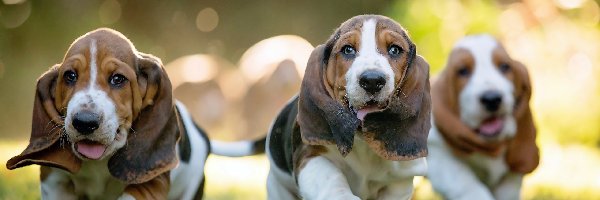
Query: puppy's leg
{"x": 278, "y": 185}
{"x": 398, "y": 190}
{"x": 126, "y": 196}
{"x": 452, "y": 178}
{"x": 321, "y": 179}
{"x": 510, "y": 187}
{"x": 56, "y": 184}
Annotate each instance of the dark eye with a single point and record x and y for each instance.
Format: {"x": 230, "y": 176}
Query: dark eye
{"x": 504, "y": 68}
{"x": 348, "y": 50}
{"x": 117, "y": 80}
{"x": 70, "y": 77}
{"x": 464, "y": 71}
{"x": 394, "y": 50}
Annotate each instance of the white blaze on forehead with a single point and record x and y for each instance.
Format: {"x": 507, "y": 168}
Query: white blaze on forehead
{"x": 93, "y": 64}
{"x": 481, "y": 46}
{"x": 485, "y": 75}
{"x": 368, "y": 41}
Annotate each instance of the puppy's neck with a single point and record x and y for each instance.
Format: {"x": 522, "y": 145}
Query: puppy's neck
{"x": 94, "y": 180}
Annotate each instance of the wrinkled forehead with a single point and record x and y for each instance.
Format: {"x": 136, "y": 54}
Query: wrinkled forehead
{"x": 382, "y": 23}
{"x": 480, "y": 47}
{"x": 106, "y": 43}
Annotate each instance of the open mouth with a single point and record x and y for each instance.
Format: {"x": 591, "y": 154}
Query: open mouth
{"x": 369, "y": 107}
{"x": 90, "y": 149}
{"x": 491, "y": 127}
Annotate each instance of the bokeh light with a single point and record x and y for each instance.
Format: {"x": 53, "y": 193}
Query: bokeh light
{"x": 262, "y": 58}
{"x": 12, "y": 2}
{"x": 193, "y": 69}
{"x": 207, "y": 20}
{"x": 15, "y": 14}
{"x": 569, "y": 4}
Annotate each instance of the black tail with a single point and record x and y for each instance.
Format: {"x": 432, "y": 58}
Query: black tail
{"x": 238, "y": 148}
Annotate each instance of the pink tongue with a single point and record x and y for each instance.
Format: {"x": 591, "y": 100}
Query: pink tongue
{"x": 92, "y": 150}
{"x": 361, "y": 113}
{"x": 491, "y": 127}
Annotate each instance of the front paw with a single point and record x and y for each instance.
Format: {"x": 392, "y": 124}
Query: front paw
{"x": 333, "y": 196}
{"x": 347, "y": 197}
{"x": 126, "y": 196}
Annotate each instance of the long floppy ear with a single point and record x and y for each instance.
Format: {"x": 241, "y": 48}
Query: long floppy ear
{"x": 445, "y": 104}
{"x": 399, "y": 132}
{"x": 523, "y": 153}
{"x": 321, "y": 118}
{"x": 150, "y": 149}
{"x": 45, "y": 144}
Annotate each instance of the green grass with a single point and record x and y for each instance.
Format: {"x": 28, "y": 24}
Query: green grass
{"x": 21, "y": 183}
{"x": 566, "y": 172}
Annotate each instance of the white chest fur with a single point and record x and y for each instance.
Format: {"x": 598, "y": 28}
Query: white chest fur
{"x": 489, "y": 170}
{"x": 474, "y": 177}
{"x": 368, "y": 174}
{"x": 95, "y": 180}
{"x": 92, "y": 181}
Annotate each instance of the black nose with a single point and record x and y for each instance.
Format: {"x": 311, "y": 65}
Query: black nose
{"x": 372, "y": 81}
{"x": 491, "y": 100}
{"x": 86, "y": 122}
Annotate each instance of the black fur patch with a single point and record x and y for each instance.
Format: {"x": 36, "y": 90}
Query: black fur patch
{"x": 280, "y": 139}
{"x": 185, "y": 149}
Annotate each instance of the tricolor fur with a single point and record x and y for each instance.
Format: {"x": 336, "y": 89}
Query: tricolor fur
{"x": 105, "y": 126}
{"x": 481, "y": 91}
{"x": 358, "y": 128}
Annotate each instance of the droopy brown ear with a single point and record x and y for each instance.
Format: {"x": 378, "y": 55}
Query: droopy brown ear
{"x": 321, "y": 118}
{"x": 45, "y": 144}
{"x": 523, "y": 153}
{"x": 150, "y": 149}
{"x": 445, "y": 104}
{"x": 399, "y": 132}
{"x": 522, "y": 91}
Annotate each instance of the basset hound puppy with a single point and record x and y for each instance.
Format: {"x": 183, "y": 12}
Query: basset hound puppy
{"x": 105, "y": 126}
{"x": 483, "y": 136}
{"x": 358, "y": 128}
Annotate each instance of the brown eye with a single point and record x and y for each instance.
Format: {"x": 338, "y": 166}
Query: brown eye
{"x": 117, "y": 80}
{"x": 464, "y": 71}
{"x": 394, "y": 50}
{"x": 348, "y": 50}
{"x": 70, "y": 77}
{"x": 504, "y": 68}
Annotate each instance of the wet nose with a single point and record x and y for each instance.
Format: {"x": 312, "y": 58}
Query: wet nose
{"x": 86, "y": 122}
{"x": 491, "y": 100}
{"x": 372, "y": 81}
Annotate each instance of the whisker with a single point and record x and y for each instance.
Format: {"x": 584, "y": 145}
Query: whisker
{"x": 131, "y": 128}
{"x": 54, "y": 128}
{"x": 50, "y": 123}
{"x": 63, "y": 137}
{"x": 63, "y": 108}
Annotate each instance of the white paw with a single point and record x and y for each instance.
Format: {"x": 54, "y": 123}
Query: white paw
{"x": 347, "y": 197}
{"x": 126, "y": 196}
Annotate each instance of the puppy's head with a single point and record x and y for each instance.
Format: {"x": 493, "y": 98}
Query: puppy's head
{"x": 95, "y": 92}
{"x": 368, "y": 59}
{"x": 104, "y": 101}
{"x": 483, "y": 86}
{"x": 367, "y": 76}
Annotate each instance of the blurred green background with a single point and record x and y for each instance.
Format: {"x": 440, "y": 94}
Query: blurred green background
{"x": 234, "y": 70}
